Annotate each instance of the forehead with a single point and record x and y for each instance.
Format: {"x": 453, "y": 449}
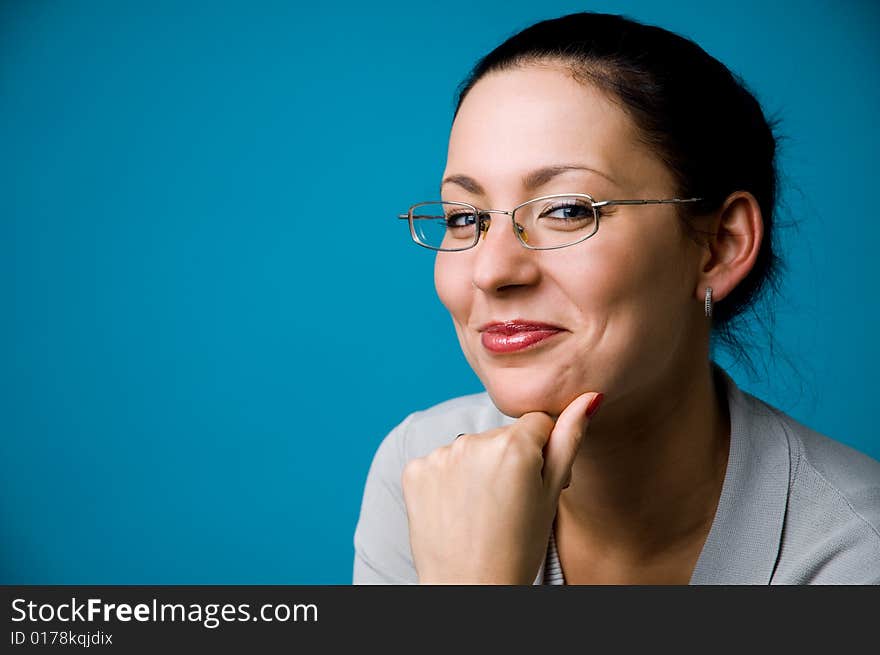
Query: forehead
{"x": 521, "y": 119}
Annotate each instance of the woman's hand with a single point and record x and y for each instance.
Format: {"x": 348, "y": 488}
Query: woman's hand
{"x": 480, "y": 509}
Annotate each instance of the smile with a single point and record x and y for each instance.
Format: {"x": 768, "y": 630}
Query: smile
{"x": 500, "y": 342}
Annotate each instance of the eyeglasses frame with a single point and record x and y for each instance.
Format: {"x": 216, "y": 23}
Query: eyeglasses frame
{"x": 483, "y": 218}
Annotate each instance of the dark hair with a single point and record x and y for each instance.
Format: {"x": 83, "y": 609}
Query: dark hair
{"x": 690, "y": 109}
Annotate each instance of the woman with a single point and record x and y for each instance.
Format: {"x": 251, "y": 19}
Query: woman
{"x": 608, "y": 446}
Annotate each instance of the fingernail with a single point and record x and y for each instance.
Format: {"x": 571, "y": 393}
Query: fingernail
{"x": 593, "y": 407}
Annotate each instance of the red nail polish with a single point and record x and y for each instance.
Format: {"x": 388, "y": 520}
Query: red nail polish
{"x": 593, "y": 407}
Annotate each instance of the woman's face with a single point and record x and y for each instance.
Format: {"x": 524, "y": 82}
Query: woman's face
{"x": 624, "y": 298}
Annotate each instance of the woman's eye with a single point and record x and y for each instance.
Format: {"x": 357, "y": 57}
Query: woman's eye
{"x": 462, "y": 219}
{"x": 569, "y": 212}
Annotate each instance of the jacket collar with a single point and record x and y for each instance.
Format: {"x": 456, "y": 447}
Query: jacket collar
{"x": 743, "y": 543}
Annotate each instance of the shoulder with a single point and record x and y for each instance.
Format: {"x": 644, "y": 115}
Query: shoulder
{"x": 427, "y": 429}
{"x": 831, "y": 531}
{"x": 824, "y": 468}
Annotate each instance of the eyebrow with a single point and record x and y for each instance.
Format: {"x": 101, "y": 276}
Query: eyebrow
{"x": 530, "y": 181}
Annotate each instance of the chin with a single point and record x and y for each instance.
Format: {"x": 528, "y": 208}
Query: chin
{"x": 515, "y": 399}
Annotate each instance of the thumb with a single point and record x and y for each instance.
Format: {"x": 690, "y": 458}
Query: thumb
{"x": 565, "y": 439}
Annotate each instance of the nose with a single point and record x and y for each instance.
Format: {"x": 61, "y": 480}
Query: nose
{"x": 500, "y": 260}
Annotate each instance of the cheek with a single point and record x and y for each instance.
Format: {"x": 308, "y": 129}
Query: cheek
{"x": 595, "y": 283}
{"x": 640, "y": 268}
{"x": 623, "y": 296}
{"x": 452, "y": 282}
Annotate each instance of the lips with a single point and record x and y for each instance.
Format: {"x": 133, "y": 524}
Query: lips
{"x": 515, "y": 335}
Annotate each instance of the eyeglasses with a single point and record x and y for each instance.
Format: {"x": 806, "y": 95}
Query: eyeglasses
{"x": 545, "y": 223}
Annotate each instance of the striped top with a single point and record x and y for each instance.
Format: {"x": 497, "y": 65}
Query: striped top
{"x": 552, "y": 573}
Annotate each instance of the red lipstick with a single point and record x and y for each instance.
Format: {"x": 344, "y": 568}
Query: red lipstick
{"x": 516, "y": 335}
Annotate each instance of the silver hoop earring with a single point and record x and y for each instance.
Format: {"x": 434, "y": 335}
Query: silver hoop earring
{"x": 708, "y": 301}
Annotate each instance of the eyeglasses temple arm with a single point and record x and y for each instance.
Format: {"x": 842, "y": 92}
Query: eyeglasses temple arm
{"x": 605, "y": 203}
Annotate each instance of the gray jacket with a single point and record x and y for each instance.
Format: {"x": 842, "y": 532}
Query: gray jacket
{"x": 796, "y": 507}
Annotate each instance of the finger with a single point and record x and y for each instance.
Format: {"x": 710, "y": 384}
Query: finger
{"x": 565, "y": 440}
{"x": 534, "y": 427}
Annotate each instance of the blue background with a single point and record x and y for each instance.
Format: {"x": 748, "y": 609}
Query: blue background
{"x": 212, "y": 316}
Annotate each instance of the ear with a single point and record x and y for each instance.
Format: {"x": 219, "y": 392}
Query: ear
{"x": 732, "y": 248}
